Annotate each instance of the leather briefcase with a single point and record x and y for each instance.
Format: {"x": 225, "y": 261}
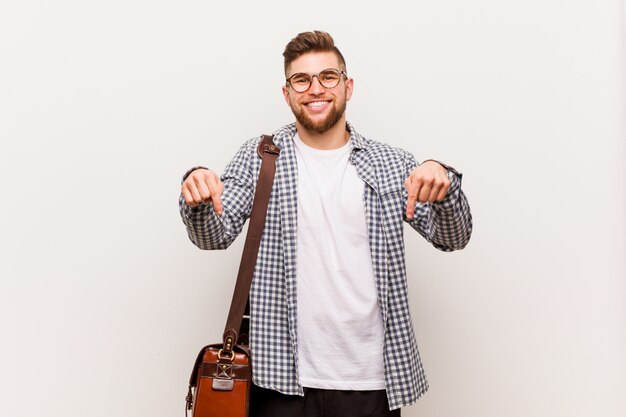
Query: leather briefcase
{"x": 222, "y": 382}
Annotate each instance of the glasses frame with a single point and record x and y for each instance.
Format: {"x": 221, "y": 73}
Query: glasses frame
{"x": 340, "y": 72}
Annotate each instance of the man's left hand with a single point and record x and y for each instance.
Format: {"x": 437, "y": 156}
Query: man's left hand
{"x": 427, "y": 183}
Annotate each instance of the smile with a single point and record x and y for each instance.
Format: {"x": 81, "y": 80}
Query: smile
{"x": 318, "y": 104}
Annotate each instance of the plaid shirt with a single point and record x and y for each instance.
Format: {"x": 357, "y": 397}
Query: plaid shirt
{"x": 273, "y": 305}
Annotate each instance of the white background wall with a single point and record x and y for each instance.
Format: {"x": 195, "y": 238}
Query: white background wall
{"x": 103, "y": 105}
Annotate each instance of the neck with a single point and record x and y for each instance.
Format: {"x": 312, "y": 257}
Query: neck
{"x": 333, "y": 138}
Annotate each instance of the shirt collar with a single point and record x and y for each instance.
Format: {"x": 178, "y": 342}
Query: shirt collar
{"x": 358, "y": 142}
{"x": 287, "y": 132}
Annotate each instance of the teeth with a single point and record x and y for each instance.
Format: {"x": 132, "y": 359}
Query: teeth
{"x": 316, "y": 103}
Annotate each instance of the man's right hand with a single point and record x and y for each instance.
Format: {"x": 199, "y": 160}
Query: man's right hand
{"x": 203, "y": 185}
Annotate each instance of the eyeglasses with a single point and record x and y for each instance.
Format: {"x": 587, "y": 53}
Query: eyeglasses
{"x": 329, "y": 78}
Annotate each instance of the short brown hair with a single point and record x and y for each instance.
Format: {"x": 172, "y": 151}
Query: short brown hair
{"x": 316, "y": 41}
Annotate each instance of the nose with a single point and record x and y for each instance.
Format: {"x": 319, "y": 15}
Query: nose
{"x": 316, "y": 87}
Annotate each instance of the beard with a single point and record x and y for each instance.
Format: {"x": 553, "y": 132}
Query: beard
{"x": 320, "y": 126}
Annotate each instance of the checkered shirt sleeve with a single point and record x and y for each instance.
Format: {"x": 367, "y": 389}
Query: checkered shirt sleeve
{"x": 205, "y": 228}
{"x": 447, "y": 225}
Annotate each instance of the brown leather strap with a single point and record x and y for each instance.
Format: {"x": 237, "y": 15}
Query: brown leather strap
{"x": 269, "y": 152}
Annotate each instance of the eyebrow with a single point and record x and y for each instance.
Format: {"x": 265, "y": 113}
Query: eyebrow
{"x": 316, "y": 73}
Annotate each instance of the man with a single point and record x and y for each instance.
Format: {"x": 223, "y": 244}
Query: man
{"x": 330, "y": 332}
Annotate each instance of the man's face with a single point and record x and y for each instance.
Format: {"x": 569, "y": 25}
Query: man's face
{"x": 319, "y": 108}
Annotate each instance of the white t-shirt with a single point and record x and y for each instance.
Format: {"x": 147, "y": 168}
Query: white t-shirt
{"x": 340, "y": 333}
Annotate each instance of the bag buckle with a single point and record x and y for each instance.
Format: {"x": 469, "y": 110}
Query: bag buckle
{"x": 220, "y": 357}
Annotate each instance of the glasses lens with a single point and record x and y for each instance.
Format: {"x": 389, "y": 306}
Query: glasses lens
{"x": 329, "y": 78}
{"x": 300, "y": 82}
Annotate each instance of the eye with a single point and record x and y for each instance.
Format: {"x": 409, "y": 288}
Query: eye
{"x": 329, "y": 76}
{"x": 300, "y": 79}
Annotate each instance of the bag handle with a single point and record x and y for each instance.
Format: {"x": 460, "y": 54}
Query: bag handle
{"x": 269, "y": 153}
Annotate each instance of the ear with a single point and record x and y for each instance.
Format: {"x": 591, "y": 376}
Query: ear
{"x": 286, "y": 93}
{"x": 349, "y": 88}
